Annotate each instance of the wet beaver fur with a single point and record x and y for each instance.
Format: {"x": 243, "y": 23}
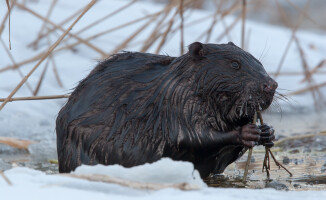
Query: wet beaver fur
{"x": 136, "y": 108}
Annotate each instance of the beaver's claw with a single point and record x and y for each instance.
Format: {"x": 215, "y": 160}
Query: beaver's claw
{"x": 267, "y": 136}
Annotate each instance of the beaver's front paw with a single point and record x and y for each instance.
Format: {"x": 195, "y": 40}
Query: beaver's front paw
{"x": 249, "y": 135}
{"x": 267, "y": 135}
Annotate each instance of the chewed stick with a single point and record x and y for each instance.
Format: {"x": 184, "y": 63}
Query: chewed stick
{"x": 266, "y": 163}
{"x": 249, "y": 155}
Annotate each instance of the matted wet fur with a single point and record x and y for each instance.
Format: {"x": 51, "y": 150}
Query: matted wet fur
{"x": 136, "y": 108}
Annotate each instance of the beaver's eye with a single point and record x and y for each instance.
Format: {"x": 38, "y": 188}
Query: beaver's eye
{"x": 235, "y": 65}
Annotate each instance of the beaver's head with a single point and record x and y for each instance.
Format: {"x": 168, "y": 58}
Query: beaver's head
{"x": 233, "y": 83}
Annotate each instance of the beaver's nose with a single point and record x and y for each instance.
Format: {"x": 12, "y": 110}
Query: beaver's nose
{"x": 269, "y": 86}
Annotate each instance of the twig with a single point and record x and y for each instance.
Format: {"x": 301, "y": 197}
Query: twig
{"x": 36, "y": 98}
{"x": 47, "y": 54}
{"x": 2, "y": 27}
{"x": 249, "y": 155}
{"x": 307, "y": 89}
{"x": 298, "y": 137}
{"x": 181, "y": 27}
{"x": 5, "y": 178}
{"x": 55, "y": 70}
{"x": 266, "y": 163}
{"x": 7, "y": 2}
{"x": 314, "y": 70}
{"x": 54, "y": 66}
{"x": 243, "y": 23}
{"x": 296, "y": 73}
{"x": 16, "y": 143}
{"x": 278, "y": 163}
{"x": 41, "y": 78}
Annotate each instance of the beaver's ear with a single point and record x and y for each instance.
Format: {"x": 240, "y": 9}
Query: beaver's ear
{"x": 231, "y": 43}
{"x": 196, "y": 51}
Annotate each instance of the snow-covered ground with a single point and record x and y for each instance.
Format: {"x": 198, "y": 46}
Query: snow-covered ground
{"x": 35, "y": 120}
{"x": 32, "y": 184}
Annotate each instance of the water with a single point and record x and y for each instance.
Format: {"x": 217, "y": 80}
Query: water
{"x": 304, "y": 157}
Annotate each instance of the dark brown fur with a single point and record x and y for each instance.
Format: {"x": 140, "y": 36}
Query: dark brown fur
{"x": 136, "y": 108}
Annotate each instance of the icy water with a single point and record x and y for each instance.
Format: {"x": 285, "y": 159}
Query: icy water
{"x": 305, "y": 157}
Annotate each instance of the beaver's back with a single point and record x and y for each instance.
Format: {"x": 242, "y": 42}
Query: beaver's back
{"x": 106, "y": 107}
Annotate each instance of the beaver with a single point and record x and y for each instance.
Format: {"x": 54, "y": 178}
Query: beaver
{"x": 136, "y": 108}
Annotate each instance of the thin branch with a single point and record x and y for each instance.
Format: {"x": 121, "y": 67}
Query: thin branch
{"x": 314, "y": 70}
{"x": 181, "y": 27}
{"x": 7, "y": 2}
{"x": 244, "y": 178}
{"x": 243, "y": 23}
{"x": 41, "y": 78}
{"x": 5, "y": 178}
{"x": 307, "y": 89}
{"x": 37, "y": 98}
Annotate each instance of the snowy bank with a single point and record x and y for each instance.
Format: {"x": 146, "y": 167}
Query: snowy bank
{"x": 31, "y": 184}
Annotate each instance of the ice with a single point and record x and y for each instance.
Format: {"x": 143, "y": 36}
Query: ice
{"x": 162, "y": 171}
{"x": 33, "y": 184}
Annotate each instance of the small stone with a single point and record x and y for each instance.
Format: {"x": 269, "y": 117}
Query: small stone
{"x": 276, "y": 185}
{"x": 296, "y": 185}
{"x": 296, "y": 161}
{"x": 294, "y": 151}
{"x": 323, "y": 168}
{"x": 286, "y": 160}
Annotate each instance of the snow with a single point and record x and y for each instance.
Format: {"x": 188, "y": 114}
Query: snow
{"x": 35, "y": 120}
{"x": 32, "y": 184}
